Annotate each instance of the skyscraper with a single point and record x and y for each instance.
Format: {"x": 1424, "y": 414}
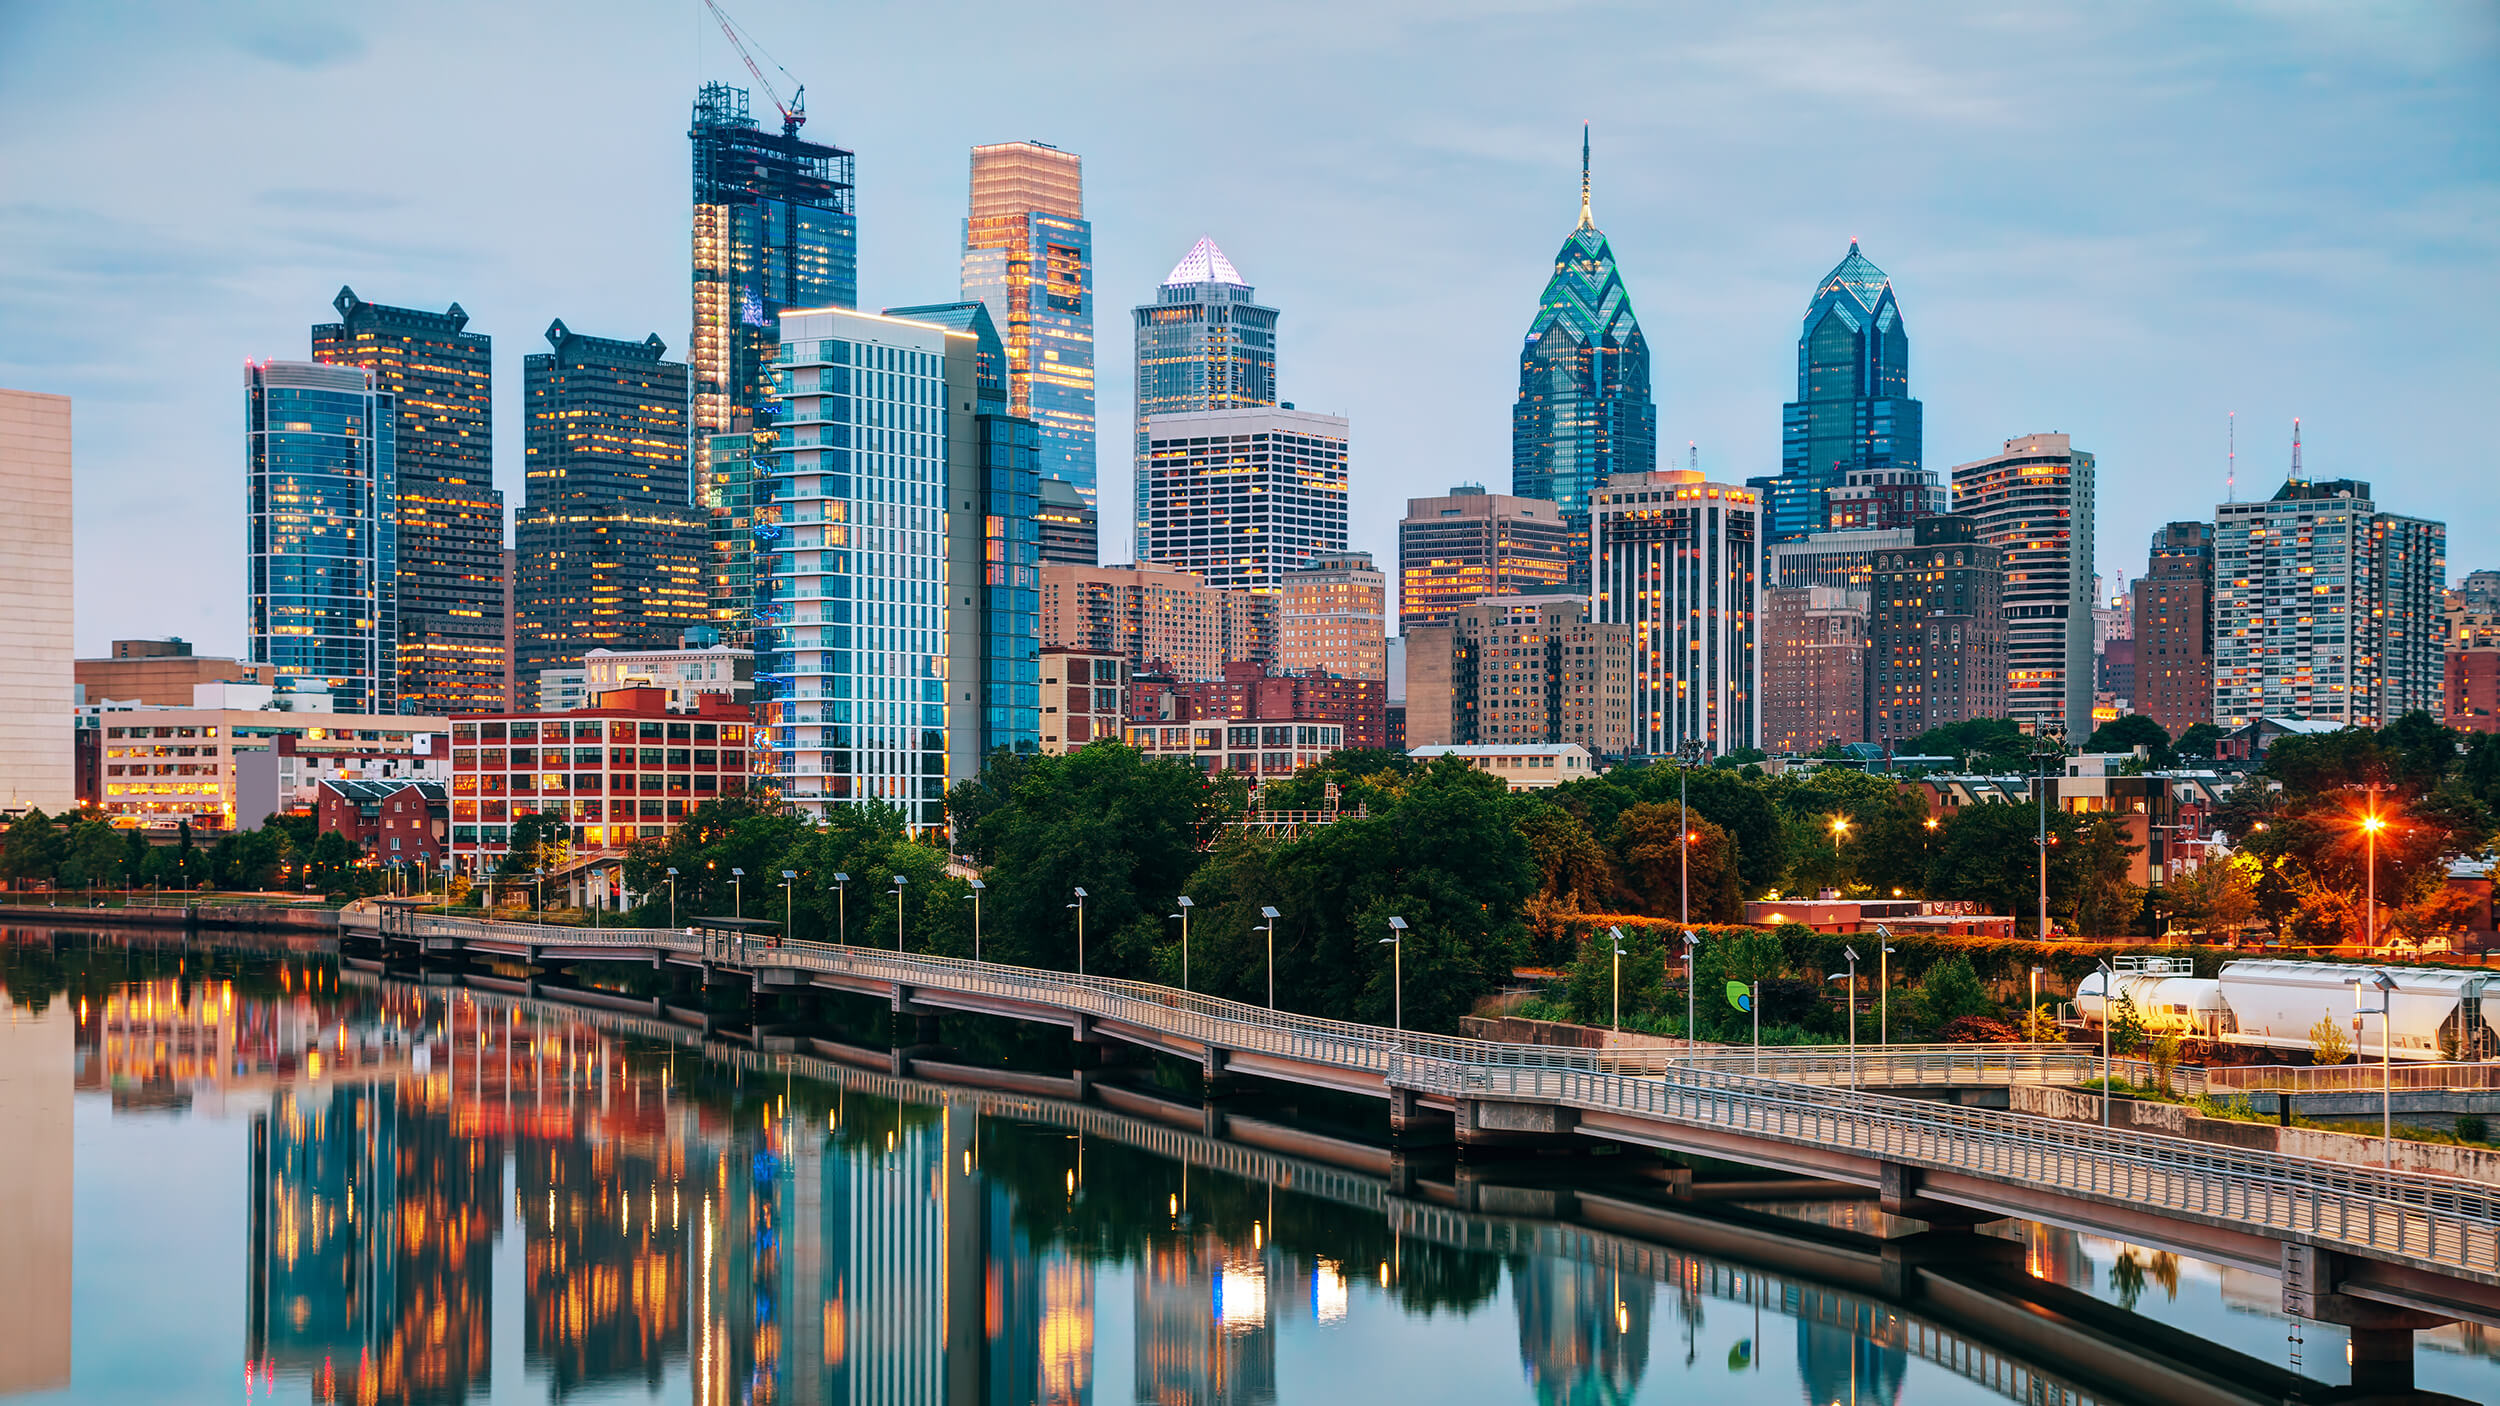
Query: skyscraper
{"x": 1071, "y": 526}
{"x": 2325, "y": 608}
{"x": 1938, "y": 632}
{"x": 853, "y": 639}
{"x": 38, "y": 691}
{"x": 1853, "y": 413}
{"x": 610, "y": 554}
{"x": 1203, "y": 344}
{"x": 775, "y": 227}
{"x": 1029, "y": 256}
{"x": 321, "y": 536}
{"x": 452, "y": 603}
{"x": 1472, "y": 545}
{"x": 2174, "y": 628}
{"x": 1243, "y": 496}
{"x": 1676, "y": 557}
{"x": 2034, "y": 504}
{"x": 1584, "y": 411}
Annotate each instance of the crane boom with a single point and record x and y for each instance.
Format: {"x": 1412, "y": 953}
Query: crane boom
{"x": 793, "y": 112}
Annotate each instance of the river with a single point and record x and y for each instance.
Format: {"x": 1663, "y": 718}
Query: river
{"x": 231, "y": 1171}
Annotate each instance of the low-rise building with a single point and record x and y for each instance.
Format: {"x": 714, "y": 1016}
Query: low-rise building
{"x": 1250, "y": 692}
{"x": 161, "y": 672}
{"x": 219, "y": 764}
{"x": 683, "y": 672}
{"x": 1259, "y": 750}
{"x": 2470, "y": 685}
{"x": 395, "y": 822}
{"x": 627, "y": 767}
{"x": 1084, "y": 697}
{"x": 1526, "y": 766}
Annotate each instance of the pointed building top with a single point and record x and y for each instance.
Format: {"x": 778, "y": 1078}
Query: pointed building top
{"x": 1859, "y": 275}
{"x": 1585, "y": 221}
{"x": 1204, "y": 263}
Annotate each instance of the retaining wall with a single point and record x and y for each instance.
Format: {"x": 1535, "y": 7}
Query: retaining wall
{"x": 2181, "y": 1121}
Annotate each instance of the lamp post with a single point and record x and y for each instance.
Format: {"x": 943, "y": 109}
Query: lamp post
{"x": 2042, "y": 787}
{"x": 842, "y": 908}
{"x": 1396, "y": 943}
{"x": 1617, "y": 934}
{"x": 2109, "y": 979}
{"x": 1883, "y": 986}
{"x": 1692, "y": 1037}
{"x": 1840, "y": 830}
{"x": 789, "y": 906}
{"x": 1852, "y": 978}
{"x": 737, "y": 893}
{"x": 1079, "y": 906}
{"x": 2385, "y": 1012}
{"x": 898, "y": 915}
{"x": 1684, "y": 850}
{"x": 978, "y": 888}
{"x": 2371, "y": 824}
{"x": 1186, "y": 904}
{"x": 2031, "y": 1020}
{"x": 1269, "y": 927}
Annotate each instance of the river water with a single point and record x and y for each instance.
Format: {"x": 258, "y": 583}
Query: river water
{"x": 235, "y": 1173}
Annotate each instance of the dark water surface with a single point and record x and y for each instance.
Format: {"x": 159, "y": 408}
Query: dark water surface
{"x": 230, "y": 1175}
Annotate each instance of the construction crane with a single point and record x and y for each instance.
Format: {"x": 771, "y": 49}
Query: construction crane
{"x": 793, "y": 112}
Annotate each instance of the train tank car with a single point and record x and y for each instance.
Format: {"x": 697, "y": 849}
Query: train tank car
{"x": 2438, "y": 1012}
{"x": 2169, "y": 997}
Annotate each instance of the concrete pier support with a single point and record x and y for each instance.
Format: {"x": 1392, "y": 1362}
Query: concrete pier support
{"x": 2382, "y": 1335}
{"x": 1491, "y": 1123}
{"x": 1899, "y": 1196}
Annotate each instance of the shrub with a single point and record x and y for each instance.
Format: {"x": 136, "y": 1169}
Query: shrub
{"x": 1952, "y": 991}
{"x": 2328, "y": 1044}
{"x": 1978, "y": 1030}
{"x": 2473, "y": 1127}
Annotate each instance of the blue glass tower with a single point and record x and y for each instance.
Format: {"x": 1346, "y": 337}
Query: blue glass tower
{"x": 1853, "y": 411}
{"x": 323, "y": 530}
{"x": 1584, "y": 409}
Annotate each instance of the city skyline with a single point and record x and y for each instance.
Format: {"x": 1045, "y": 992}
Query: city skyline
{"x": 2301, "y": 251}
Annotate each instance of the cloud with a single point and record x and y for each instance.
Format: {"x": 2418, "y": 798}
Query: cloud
{"x": 300, "y": 40}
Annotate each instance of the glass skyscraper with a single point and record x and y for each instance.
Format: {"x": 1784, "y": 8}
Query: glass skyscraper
{"x": 1584, "y": 411}
{"x": 1853, "y": 413}
{"x": 775, "y": 227}
{"x": 1029, "y": 257}
{"x": 322, "y": 530}
{"x": 1203, "y": 344}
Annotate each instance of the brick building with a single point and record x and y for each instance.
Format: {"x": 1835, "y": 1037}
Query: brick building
{"x": 624, "y": 768}
{"x": 1249, "y": 692}
{"x": 1521, "y": 669}
{"x": 404, "y": 822}
{"x": 2174, "y": 628}
{"x": 1332, "y": 616}
{"x": 2470, "y": 691}
{"x": 1159, "y": 618}
{"x": 1938, "y": 639}
{"x": 1813, "y": 667}
{"x": 1084, "y": 697}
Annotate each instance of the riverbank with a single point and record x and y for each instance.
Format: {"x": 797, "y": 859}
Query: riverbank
{"x": 189, "y": 917}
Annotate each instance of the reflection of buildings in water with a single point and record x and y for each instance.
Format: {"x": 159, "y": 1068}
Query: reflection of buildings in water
{"x": 2050, "y": 1253}
{"x": 373, "y": 1225}
{"x": 1844, "y": 1368}
{"x": 1037, "y": 1315}
{"x": 1583, "y": 1330}
{"x": 37, "y": 1182}
{"x": 605, "y": 1264}
{"x": 1204, "y": 1334}
{"x": 158, "y": 1045}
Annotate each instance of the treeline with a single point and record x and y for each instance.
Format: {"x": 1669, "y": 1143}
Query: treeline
{"x": 82, "y": 850}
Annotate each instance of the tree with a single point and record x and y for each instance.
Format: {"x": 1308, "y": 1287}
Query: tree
{"x": 2198, "y": 742}
{"x": 2328, "y": 1044}
{"x": 1989, "y": 854}
{"x": 1951, "y": 990}
{"x": 32, "y": 849}
{"x": 2099, "y": 899}
{"x": 2217, "y": 896}
{"x": 2127, "y": 733}
{"x": 1989, "y": 744}
{"x": 2126, "y": 1027}
{"x": 1653, "y": 853}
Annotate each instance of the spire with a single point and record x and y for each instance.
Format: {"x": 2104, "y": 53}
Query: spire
{"x": 1204, "y": 263}
{"x": 1585, "y": 221}
{"x": 2296, "y": 448}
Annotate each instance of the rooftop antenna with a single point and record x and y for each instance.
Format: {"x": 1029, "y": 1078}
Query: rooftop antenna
{"x": 1694, "y": 447}
{"x": 2296, "y": 478}
{"x": 2231, "y": 478}
{"x": 1585, "y": 222}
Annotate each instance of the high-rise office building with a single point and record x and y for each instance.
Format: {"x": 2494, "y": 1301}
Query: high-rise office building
{"x": 1677, "y": 558}
{"x": 726, "y": 494}
{"x": 321, "y": 537}
{"x": 609, "y": 554}
{"x": 1853, "y": 412}
{"x": 993, "y": 555}
{"x": 1584, "y": 411}
{"x": 1071, "y": 531}
{"x": 2174, "y": 628}
{"x": 1029, "y": 256}
{"x": 2325, "y": 608}
{"x": 856, "y": 632}
{"x": 1331, "y": 618}
{"x": 2034, "y": 504}
{"x": 1203, "y": 344}
{"x": 775, "y": 227}
{"x": 1937, "y": 636}
{"x": 452, "y": 602}
{"x": 1160, "y": 619}
{"x": 1521, "y": 669}
{"x": 1471, "y": 545}
{"x": 1242, "y": 496}
{"x": 1879, "y": 499}
{"x": 1813, "y": 667}
{"x": 38, "y": 691}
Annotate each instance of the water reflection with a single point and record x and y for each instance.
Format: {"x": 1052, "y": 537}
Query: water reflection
{"x": 715, "y": 1226}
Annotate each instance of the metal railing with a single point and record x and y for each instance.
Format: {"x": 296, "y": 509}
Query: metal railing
{"x": 2366, "y": 1077}
{"x": 2437, "y": 1222}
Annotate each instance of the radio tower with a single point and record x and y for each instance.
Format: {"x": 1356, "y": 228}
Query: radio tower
{"x": 2296, "y": 449}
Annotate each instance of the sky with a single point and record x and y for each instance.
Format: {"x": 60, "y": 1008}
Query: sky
{"x": 2125, "y": 222}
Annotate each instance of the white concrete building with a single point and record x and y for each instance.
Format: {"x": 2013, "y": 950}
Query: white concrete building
{"x": 1525, "y": 766}
{"x": 684, "y": 672}
{"x": 1241, "y": 497}
{"x": 38, "y": 689}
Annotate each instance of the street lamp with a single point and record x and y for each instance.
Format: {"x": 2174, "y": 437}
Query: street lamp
{"x": 2387, "y": 1070}
{"x": 1396, "y": 943}
{"x": 1852, "y": 978}
{"x": 978, "y": 888}
{"x": 2371, "y": 824}
{"x": 2031, "y": 1020}
{"x": 1840, "y": 830}
{"x": 1269, "y": 927}
{"x": 2109, "y": 979}
{"x": 737, "y": 893}
{"x": 1079, "y": 906}
{"x": 789, "y": 906}
{"x": 1617, "y": 934}
{"x": 1187, "y": 903}
{"x": 842, "y": 908}
{"x": 898, "y": 915}
{"x": 1883, "y": 986}
{"x": 1691, "y": 1036}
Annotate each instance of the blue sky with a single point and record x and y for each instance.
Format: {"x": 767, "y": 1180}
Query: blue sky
{"x": 2123, "y": 222}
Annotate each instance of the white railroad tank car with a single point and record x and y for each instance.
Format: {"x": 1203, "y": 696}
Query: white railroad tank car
{"x": 2168, "y": 996}
{"x": 2436, "y": 1012}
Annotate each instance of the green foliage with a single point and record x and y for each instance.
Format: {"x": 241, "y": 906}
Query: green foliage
{"x": 1591, "y": 990}
{"x": 2127, "y": 733}
{"x": 870, "y": 843}
{"x": 1951, "y": 991}
{"x": 539, "y": 842}
{"x": 32, "y": 849}
{"x": 2126, "y": 1027}
{"x": 2198, "y": 742}
{"x": 1652, "y": 853}
{"x": 2473, "y": 1127}
{"x": 1984, "y": 744}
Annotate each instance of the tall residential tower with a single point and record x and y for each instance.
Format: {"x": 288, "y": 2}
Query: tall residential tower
{"x": 1203, "y": 344}
{"x": 321, "y": 534}
{"x": 1029, "y": 256}
{"x": 452, "y": 602}
{"x": 1584, "y": 411}
{"x": 1853, "y": 422}
{"x": 2034, "y": 504}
